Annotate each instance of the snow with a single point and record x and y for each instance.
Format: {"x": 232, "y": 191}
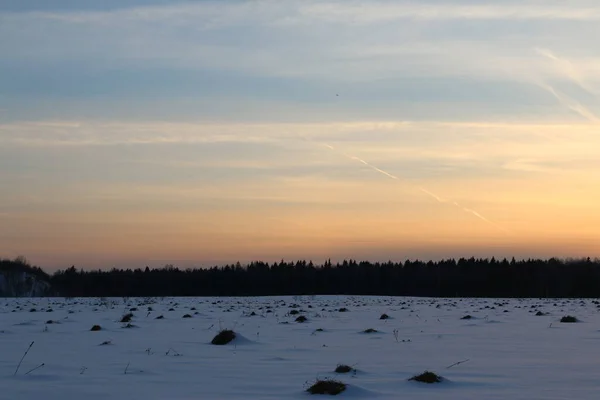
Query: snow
{"x": 511, "y": 353}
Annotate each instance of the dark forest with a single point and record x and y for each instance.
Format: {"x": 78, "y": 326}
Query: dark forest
{"x": 448, "y": 278}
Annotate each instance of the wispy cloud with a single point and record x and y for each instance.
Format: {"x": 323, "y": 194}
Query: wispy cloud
{"x": 225, "y": 14}
{"x": 300, "y": 40}
{"x": 435, "y": 137}
{"x": 529, "y": 165}
{"x": 354, "y": 12}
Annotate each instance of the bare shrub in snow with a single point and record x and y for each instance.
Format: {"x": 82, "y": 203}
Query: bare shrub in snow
{"x": 427, "y": 377}
{"x": 569, "y": 319}
{"x": 223, "y": 337}
{"x": 344, "y": 369}
{"x": 126, "y": 317}
{"x": 327, "y": 386}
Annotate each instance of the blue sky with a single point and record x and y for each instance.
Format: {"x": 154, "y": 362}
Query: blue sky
{"x": 229, "y": 123}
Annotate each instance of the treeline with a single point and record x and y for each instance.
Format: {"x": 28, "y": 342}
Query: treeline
{"x": 448, "y": 278}
{"x": 21, "y": 265}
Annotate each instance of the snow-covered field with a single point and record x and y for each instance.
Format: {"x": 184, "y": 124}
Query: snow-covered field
{"x": 511, "y": 352}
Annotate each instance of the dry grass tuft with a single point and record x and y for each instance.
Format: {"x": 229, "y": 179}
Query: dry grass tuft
{"x": 569, "y": 319}
{"x": 327, "y": 386}
{"x": 127, "y": 318}
{"x": 427, "y": 377}
{"x": 223, "y": 337}
{"x": 344, "y": 369}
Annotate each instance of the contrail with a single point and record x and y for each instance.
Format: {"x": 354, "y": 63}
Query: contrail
{"x": 436, "y": 197}
{"x": 429, "y": 193}
{"x": 571, "y": 104}
{"x": 567, "y": 69}
{"x": 375, "y": 168}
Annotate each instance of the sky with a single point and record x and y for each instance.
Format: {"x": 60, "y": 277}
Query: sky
{"x": 197, "y": 133}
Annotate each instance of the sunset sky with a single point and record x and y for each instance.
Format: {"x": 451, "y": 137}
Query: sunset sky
{"x": 147, "y": 132}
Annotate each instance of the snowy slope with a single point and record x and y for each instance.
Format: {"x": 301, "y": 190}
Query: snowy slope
{"x": 511, "y": 352}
